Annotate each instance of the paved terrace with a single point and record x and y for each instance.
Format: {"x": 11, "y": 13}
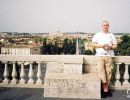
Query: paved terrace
{"x": 32, "y": 82}
{"x": 37, "y": 94}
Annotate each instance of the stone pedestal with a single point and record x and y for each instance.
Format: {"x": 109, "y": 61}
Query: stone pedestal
{"x": 86, "y": 86}
{"x": 68, "y": 81}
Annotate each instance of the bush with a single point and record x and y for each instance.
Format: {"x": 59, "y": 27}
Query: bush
{"x": 89, "y": 52}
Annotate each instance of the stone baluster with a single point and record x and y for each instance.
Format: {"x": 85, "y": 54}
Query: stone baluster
{"x": 6, "y": 74}
{"x": 14, "y": 74}
{"x": 39, "y": 74}
{"x": 31, "y": 74}
{"x": 22, "y": 74}
{"x": 117, "y": 83}
{"x": 126, "y": 75}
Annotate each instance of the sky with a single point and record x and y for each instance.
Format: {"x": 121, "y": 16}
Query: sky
{"x": 64, "y": 15}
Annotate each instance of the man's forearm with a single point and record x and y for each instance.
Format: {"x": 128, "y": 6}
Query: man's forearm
{"x": 95, "y": 45}
{"x": 114, "y": 46}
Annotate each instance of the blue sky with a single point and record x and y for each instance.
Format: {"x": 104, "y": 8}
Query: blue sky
{"x": 64, "y": 15}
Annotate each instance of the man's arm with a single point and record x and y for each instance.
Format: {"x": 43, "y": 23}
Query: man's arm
{"x": 114, "y": 41}
{"x": 114, "y": 46}
{"x": 107, "y": 47}
{"x": 95, "y": 45}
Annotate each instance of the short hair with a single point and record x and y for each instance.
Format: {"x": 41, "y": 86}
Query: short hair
{"x": 105, "y": 22}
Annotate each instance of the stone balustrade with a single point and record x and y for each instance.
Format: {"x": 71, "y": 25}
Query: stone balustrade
{"x": 89, "y": 65}
{"x": 120, "y": 82}
{"x": 60, "y": 69}
{"x": 27, "y": 77}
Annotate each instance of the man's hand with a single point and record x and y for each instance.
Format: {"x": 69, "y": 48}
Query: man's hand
{"x": 107, "y": 47}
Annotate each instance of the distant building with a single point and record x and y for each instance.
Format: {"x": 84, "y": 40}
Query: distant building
{"x": 21, "y": 50}
{"x": 44, "y": 35}
{"x": 2, "y": 40}
{"x": 56, "y": 34}
{"x": 3, "y": 34}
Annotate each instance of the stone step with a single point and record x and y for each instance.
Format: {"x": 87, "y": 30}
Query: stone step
{"x": 86, "y": 86}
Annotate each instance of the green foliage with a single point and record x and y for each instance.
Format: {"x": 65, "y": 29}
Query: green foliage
{"x": 122, "y": 50}
{"x": 69, "y": 46}
{"x": 124, "y": 46}
{"x": 89, "y": 52}
{"x": 11, "y": 40}
{"x": 58, "y": 46}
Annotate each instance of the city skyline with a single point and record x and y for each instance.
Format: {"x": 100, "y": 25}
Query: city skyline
{"x": 65, "y": 15}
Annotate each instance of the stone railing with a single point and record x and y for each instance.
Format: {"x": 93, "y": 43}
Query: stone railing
{"x": 89, "y": 66}
{"x": 12, "y": 65}
{"x": 60, "y": 70}
{"x": 122, "y": 84}
{"x": 120, "y": 74}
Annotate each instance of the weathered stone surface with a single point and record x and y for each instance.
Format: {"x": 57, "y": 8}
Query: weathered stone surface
{"x": 60, "y": 67}
{"x": 73, "y": 68}
{"x": 89, "y": 64}
{"x": 85, "y": 86}
{"x": 46, "y": 58}
{"x": 66, "y": 80}
{"x": 54, "y": 67}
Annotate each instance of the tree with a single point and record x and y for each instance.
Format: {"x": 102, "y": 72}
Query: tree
{"x": 69, "y": 46}
{"x": 88, "y": 52}
{"x": 11, "y": 40}
{"x": 124, "y": 46}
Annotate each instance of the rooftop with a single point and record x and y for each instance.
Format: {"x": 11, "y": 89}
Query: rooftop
{"x": 21, "y": 46}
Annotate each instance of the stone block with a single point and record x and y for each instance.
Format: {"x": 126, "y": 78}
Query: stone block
{"x": 54, "y": 67}
{"x": 72, "y": 68}
{"x": 60, "y": 67}
{"x": 86, "y": 86}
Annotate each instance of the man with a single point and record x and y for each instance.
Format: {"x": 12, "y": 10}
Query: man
{"x": 104, "y": 42}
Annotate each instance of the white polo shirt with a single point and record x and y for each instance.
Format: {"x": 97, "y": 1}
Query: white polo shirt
{"x": 104, "y": 38}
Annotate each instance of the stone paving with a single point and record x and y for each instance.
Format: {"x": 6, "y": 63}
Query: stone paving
{"x": 37, "y": 94}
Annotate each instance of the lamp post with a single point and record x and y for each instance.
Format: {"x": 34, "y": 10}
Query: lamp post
{"x": 77, "y": 44}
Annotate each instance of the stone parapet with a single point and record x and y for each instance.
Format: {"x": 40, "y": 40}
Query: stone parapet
{"x": 86, "y": 86}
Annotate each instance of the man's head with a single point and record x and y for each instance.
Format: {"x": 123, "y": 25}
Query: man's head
{"x": 105, "y": 26}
